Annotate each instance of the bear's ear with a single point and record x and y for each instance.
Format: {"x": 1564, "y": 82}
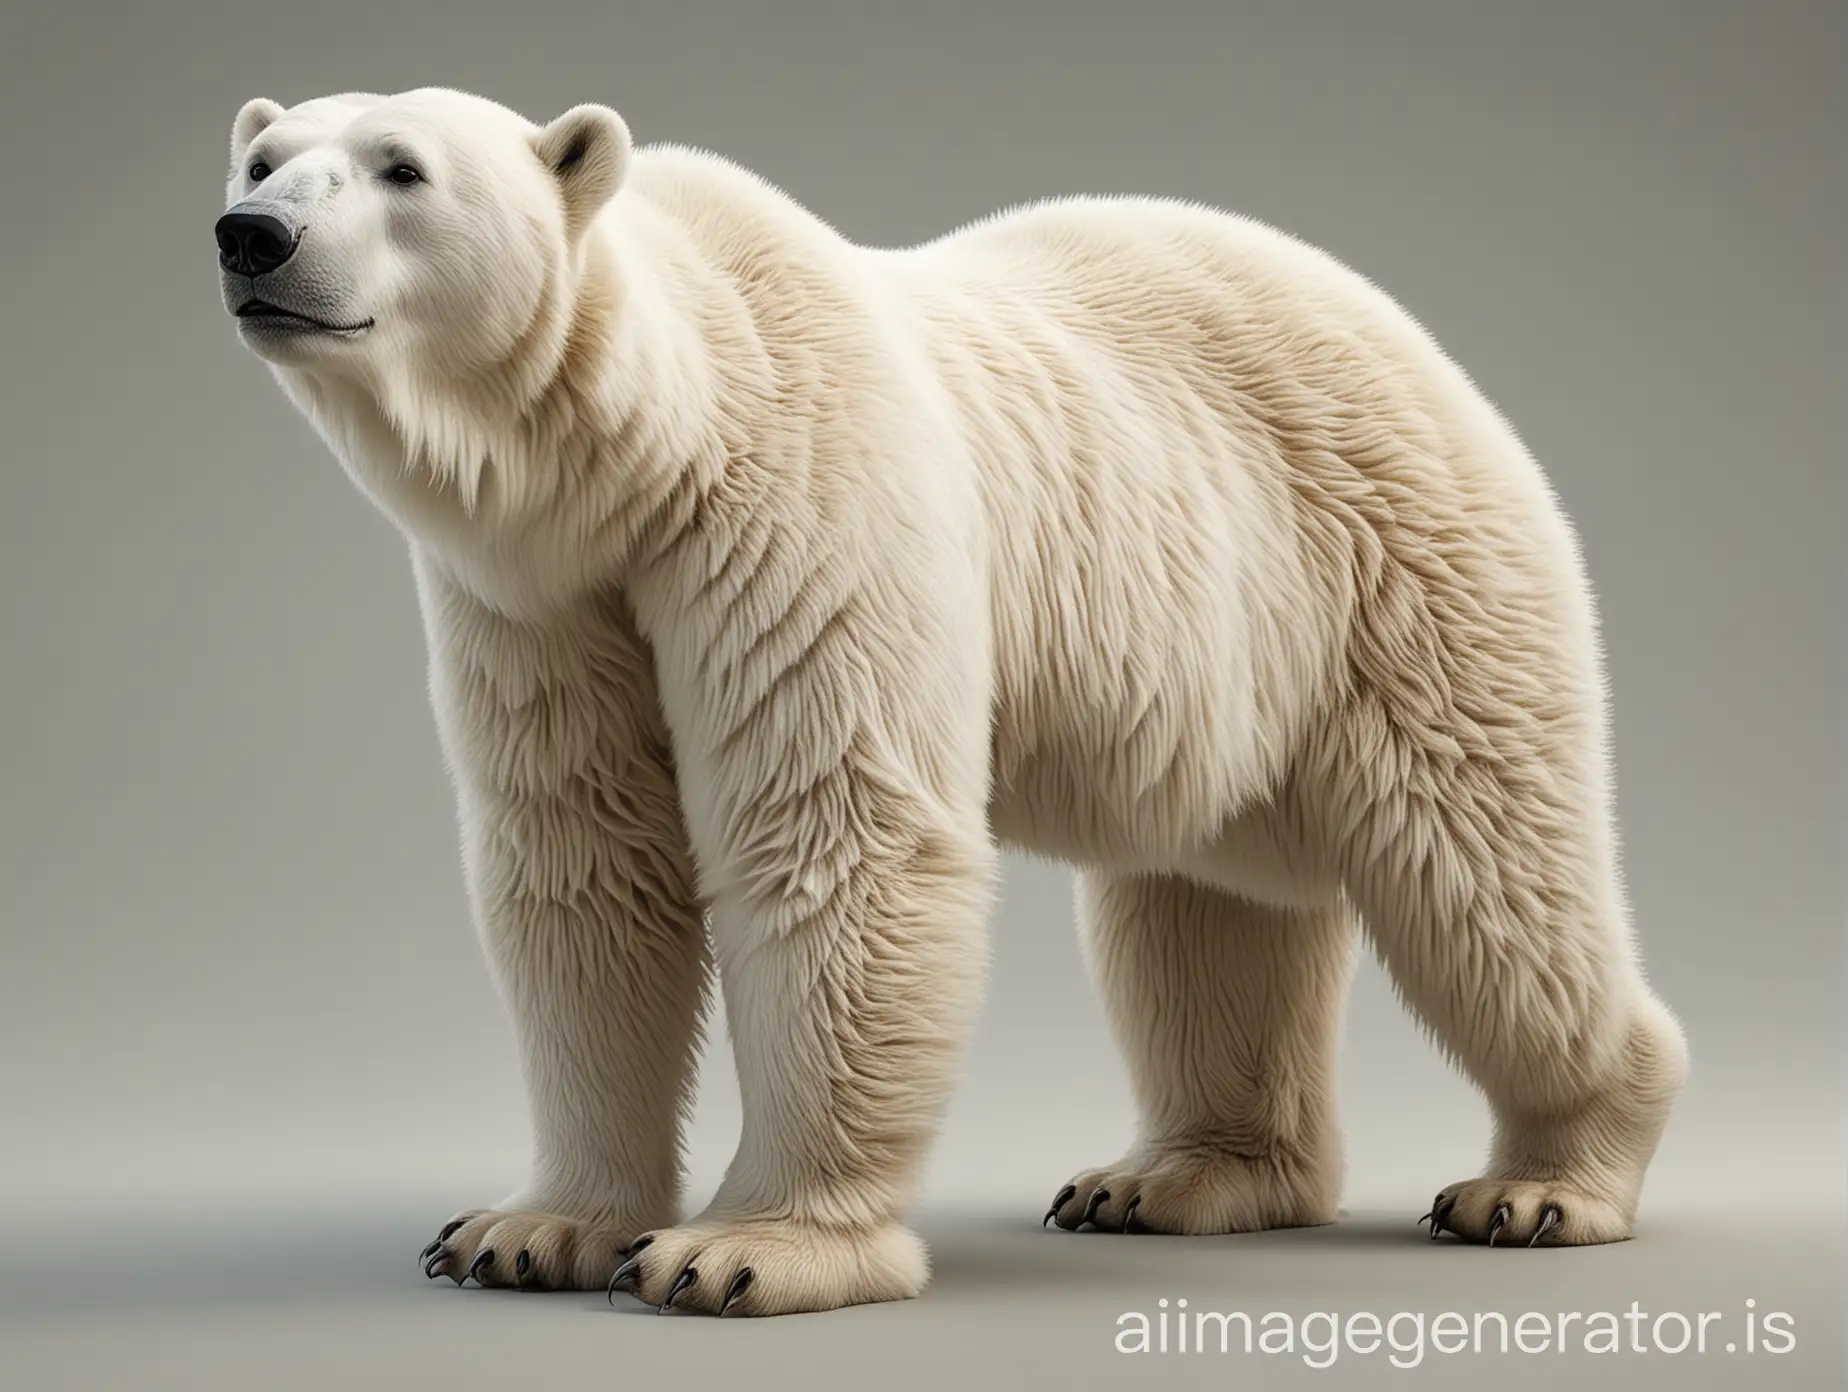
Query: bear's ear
{"x": 253, "y": 119}
{"x": 586, "y": 152}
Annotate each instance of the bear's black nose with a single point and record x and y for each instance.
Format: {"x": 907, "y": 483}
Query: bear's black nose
{"x": 252, "y": 243}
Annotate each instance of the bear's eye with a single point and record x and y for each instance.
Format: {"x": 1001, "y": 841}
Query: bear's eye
{"x": 402, "y": 174}
{"x": 259, "y": 172}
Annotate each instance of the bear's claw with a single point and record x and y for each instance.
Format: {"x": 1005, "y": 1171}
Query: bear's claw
{"x": 740, "y": 1284}
{"x": 435, "y": 1258}
{"x": 1549, "y": 1217}
{"x": 1440, "y": 1210}
{"x": 688, "y": 1278}
{"x": 625, "y": 1276}
{"x": 1065, "y": 1197}
{"x": 1498, "y": 1221}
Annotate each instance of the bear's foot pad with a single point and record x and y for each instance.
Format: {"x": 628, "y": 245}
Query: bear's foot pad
{"x": 770, "y": 1267}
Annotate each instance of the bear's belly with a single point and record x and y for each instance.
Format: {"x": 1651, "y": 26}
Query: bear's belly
{"x": 1160, "y": 641}
{"x": 1056, "y": 805}
{"x": 1135, "y": 787}
{"x": 1209, "y": 820}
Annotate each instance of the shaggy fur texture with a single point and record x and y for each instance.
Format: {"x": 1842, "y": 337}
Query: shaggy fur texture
{"x": 773, "y": 582}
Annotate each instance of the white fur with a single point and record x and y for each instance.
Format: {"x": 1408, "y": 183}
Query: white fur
{"x": 773, "y": 575}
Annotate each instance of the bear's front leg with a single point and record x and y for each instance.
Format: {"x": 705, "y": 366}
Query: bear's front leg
{"x": 835, "y": 777}
{"x": 582, "y": 886}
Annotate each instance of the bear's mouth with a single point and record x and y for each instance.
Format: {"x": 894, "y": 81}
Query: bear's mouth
{"x": 290, "y": 318}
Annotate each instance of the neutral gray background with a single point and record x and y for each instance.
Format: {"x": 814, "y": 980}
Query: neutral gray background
{"x": 249, "y": 1056}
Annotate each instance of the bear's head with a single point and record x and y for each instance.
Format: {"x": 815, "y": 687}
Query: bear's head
{"x": 367, "y": 236}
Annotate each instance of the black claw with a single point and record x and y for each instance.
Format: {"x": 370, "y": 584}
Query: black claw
{"x": 1497, "y": 1220}
{"x": 1099, "y": 1197}
{"x": 740, "y": 1284}
{"x": 625, "y": 1273}
{"x": 639, "y": 1243}
{"x": 1550, "y": 1218}
{"x": 1427, "y": 1218}
{"x": 483, "y": 1260}
{"x": 1440, "y": 1214}
{"x": 1129, "y": 1214}
{"x": 429, "y": 1251}
{"x": 449, "y": 1229}
{"x": 685, "y": 1282}
{"x": 433, "y": 1267}
{"x": 1065, "y": 1197}
{"x": 522, "y": 1264}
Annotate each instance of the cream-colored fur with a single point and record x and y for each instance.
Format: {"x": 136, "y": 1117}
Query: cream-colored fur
{"x": 781, "y": 580}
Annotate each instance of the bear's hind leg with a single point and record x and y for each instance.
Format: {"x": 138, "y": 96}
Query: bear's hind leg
{"x": 1490, "y": 892}
{"x": 1228, "y": 1013}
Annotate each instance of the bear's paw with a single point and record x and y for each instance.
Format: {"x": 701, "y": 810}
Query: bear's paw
{"x": 521, "y": 1248}
{"x": 771, "y": 1267}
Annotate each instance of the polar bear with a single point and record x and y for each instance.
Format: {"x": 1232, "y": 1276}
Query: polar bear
{"x": 773, "y": 583}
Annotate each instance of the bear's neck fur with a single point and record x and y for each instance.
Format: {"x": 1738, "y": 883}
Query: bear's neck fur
{"x": 572, "y": 467}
